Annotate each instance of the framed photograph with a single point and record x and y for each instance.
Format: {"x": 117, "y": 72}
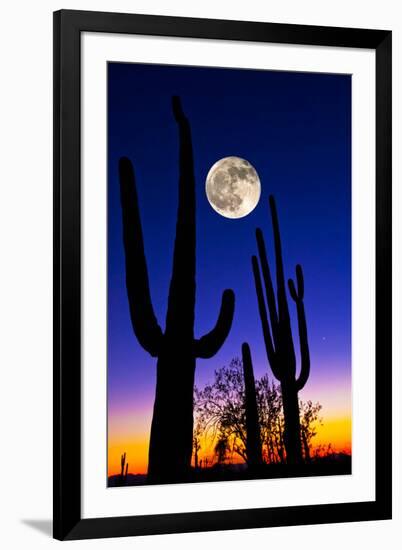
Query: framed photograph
{"x": 222, "y": 274}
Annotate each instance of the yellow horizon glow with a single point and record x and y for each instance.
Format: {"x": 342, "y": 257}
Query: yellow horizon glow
{"x": 136, "y": 450}
{"x": 336, "y": 431}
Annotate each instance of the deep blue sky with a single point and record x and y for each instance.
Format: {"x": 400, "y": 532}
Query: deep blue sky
{"x": 295, "y": 128}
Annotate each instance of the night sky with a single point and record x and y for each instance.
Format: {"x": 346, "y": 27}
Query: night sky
{"x": 295, "y": 129}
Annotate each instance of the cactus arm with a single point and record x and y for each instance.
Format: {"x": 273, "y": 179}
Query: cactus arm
{"x": 145, "y": 325}
{"x": 209, "y": 345}
{"x": 284, "y": 326}
{"x": 185, "y": 228}
{"x": 264, "y": 319}
{"x": 269, "y": 289}
{"x": 181, "y": 300}
{"x": 304, "y": 348}
{"x": 298, "y": 296}
{"x": 280, "y": 277}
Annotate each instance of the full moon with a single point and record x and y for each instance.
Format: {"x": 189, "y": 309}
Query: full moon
{"x": 233, "y": 187}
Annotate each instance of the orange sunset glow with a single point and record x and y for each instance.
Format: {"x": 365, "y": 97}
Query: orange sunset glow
{"x": 335, "y": 430}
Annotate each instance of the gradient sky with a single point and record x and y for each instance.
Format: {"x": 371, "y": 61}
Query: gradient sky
{"x": 295, "y": 129}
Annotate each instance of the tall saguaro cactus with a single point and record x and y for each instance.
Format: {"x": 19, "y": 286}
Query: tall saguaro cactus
{"x": 253, "y": 437}
{"x": 171, "y": 438}
{"x": 278, "y": 337}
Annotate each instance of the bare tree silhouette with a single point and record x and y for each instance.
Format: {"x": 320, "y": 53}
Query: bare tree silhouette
{"x": 278, "y": 334}
{"x": 221, "y": 449}
{"x": 220, "y": 409}
{"x": 176, "y": 348}
{"x": 221, "y": 415}
{"x": 309, "y": 419}
{"x": 197, "y": 444}
{"x": 269, "y": 401}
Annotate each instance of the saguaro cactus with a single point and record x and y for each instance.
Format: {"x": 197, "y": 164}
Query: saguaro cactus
{"x": 124, "y": 468}
{"x": 277, "y": 333}
{"x": 171, "y": 438}
{"x": 253, "y": 438}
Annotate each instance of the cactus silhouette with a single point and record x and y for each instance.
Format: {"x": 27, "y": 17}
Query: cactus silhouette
{"x": 171, "y": 437}
{"x": 253, "y": 438}
{"x": 124, "y": 470}
{"x": 277, "y": 334}
{"x": 122, "y": 463}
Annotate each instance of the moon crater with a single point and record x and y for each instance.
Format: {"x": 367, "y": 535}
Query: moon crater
{"x": 233, "y": 187}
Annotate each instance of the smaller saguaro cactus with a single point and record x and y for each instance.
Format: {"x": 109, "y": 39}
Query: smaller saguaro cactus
{"x": 122, "y": 463}
{"x": 253, "y": 438}
{"x": 277, "y": 332}
{"x": 124, "y": 468}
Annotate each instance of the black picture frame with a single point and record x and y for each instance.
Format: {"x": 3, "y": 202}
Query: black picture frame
{"x": 68, "y": 523}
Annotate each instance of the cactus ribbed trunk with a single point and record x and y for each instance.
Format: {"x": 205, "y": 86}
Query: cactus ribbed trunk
{"x": 253, "y": 437}
{"x": 278, "y": 337}
{"x": 171, "y": 440}
{"x": 170, "y": 447}
{"x": 291, "y": 413}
